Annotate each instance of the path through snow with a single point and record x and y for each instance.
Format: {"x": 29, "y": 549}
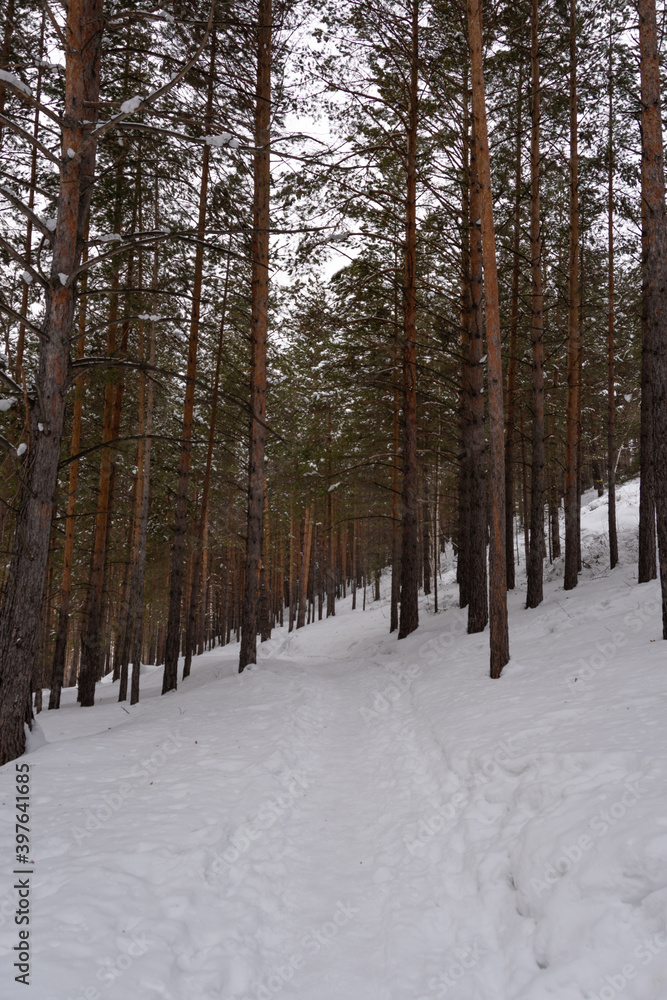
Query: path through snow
{"x": 362, "y": 819}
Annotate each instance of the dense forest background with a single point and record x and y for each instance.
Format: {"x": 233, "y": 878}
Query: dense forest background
{"x": 253, "y": 351}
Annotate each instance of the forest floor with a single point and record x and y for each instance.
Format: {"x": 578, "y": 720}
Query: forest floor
{"x": 358, "y": 818}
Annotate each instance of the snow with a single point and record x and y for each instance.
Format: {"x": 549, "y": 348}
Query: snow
{"x": 63, "y": 278}
{"x": 224, "y": 139}
{"x": 131, "y": 105}
{"x": 50, "y": 224}
{"x": 22, "y": 448}
{"x": 70, "y": 152}
{"x": 109, "y": 238}
{"x": 218, "y": 140}
{"x": 6, "y": 403}
{"x": 27, "y": 277}
{"x": 15, "y": 82}
{"x": 366, "y": 818}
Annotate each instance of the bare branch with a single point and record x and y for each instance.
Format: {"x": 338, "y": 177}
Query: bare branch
{"x": 55, "y": 24}
{"x": 20, "y": 319}
{"x": 7, "y": 444}
{"x": 10, "y": 383}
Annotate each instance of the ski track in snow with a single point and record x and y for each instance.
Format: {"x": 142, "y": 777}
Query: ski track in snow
{"x": 361, "y": 819}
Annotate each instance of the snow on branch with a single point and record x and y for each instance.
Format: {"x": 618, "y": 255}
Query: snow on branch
{"x": 13, "y": 81}
{"x": 15, "y": 255}
{"x": 24, "y": 91}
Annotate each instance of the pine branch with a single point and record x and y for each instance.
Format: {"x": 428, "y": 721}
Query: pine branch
{"x": 28, "y": 212}
{"x": 15, "y": 127}
{"x": 15, "y": 255}
{"x": 146, "y": 103}
{"x": 20, "y": 319}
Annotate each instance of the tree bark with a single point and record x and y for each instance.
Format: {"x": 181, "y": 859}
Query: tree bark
{"x": 573, "y": 346}
{"x": 6, "y": 51}
{"x": 463, "y": 499}
{"x": 258, "y": 335}
{"x": 611, "y": 390}
{"x": 646, "y": 569}
{"x": 478, "y": 611}
{"x": 198, "y": 591}
{"x": 305, "y": 566}
{"x": 22, "y": 603}
{"x": 536, "y": 550}
{"x": 395, "y": 496}
{"x": 409, "y": 615}
{"x": 60, "y": 649}
{"x": 92, "y": 653}
{"x": 176, "y": 575}
{"x": 655, "y": 269}
{"x": 144, "y": 469}
{"x": 499, "y": 637}
{"x": 512, "y": 358}
{"x": 25, "y": 291}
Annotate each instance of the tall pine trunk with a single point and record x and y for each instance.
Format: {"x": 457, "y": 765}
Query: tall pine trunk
{"x": 512, "y": 358}
{"x": 573, "y": 347}
{"x": 611, "y": 390}
{"x": 463, "y": 500}
{"x": 654, "y": 267}
{"x": 177, "y": 571}
{"x": 409, "y": 616}
{"x": 92, "y": 651}
{"x": 22, "y": 603}
{"x": 395, "y": 499}
{"x": 536, "y": 549}
{"x": 478, "y": 613}
{"x": 499, "y": 636}
{"x": 258, "y": 336}
{"x": 60, "y": 648}
{"x": 646, "y": 569}
{"x": 198, "y": 590}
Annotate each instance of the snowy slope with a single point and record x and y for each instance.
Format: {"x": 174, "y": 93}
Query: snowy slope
{"x": 363, "y": 819}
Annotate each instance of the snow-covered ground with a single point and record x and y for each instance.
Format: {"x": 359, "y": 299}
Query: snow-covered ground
{"x": 358, "y": 818}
